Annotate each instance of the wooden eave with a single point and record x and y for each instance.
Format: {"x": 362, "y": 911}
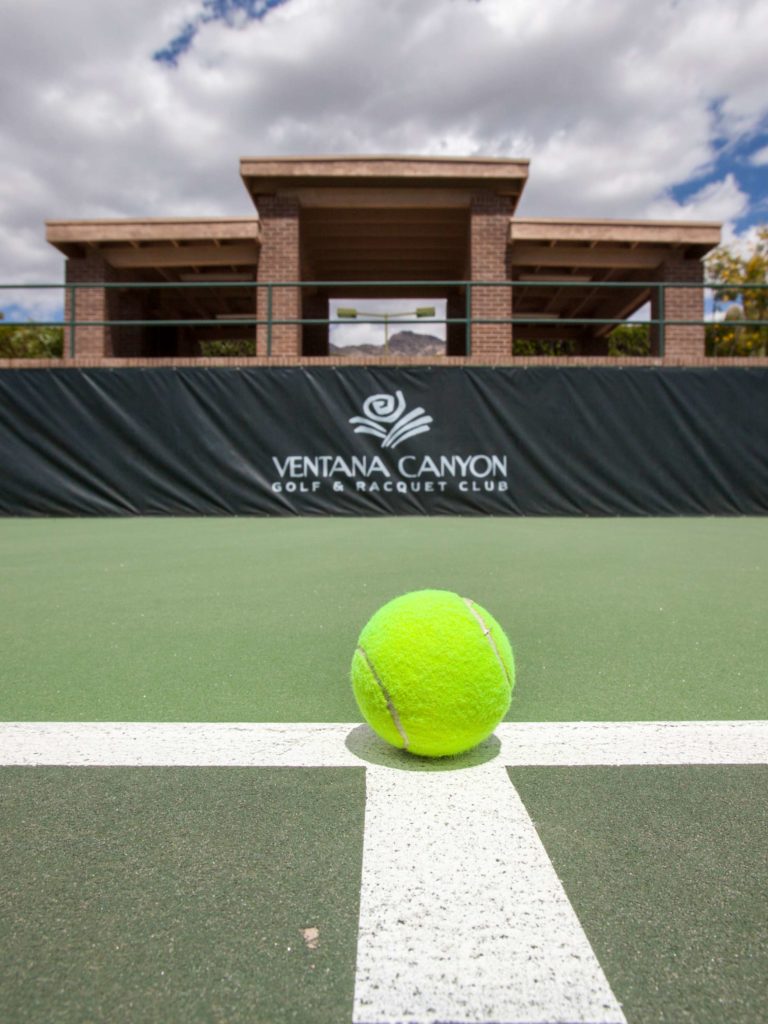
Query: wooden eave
{"x": 71, "y": 236}
{"x": 382, "y": 181}
{"x": 695, "y": 237}
{"x": 591, "y": 252}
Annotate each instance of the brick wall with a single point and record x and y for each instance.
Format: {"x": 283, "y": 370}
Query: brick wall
{"x": 681, "y": 342}
{"x": 90, "y": 304}
{"x": 489, "y": 237}
{"x": 279, "y": 260}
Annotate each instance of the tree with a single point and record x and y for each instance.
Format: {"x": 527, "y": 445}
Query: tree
{"x": 738, "y": 301}
{"x": 30, "y": 341}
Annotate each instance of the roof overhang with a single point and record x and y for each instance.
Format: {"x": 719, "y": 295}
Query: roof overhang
{"x": 583, "y": 256}
{"x": 628, "y": 244}
{"x": 382, "y": 181}
{"x": 161, "y": 242}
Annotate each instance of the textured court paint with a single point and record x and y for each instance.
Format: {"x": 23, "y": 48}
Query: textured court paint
{"x": 474, "y": 778}
{"x": 328, "y": 745}
{"x": 462, "y": 917}
{"x": 174, "y": 896}
{"x": 256, "y": 620}
{"x": 668, "y": 871}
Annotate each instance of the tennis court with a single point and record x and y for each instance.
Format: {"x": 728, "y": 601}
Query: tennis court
{"x": 240, "y": 848}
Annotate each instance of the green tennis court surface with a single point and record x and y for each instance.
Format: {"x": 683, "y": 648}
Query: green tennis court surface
{"x": 238, "y": 889}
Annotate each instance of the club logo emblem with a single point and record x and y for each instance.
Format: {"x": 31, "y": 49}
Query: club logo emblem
{"x": 385, "y": 417}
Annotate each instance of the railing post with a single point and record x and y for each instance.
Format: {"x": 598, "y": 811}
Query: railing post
{"x": 468, "y": 321}
{"x": 269, "y": 319}
{"x": 661, "y": 318}
{"x": 72, "y": 320}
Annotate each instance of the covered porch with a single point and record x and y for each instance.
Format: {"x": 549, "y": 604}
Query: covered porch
{"x": 367, "y": 229}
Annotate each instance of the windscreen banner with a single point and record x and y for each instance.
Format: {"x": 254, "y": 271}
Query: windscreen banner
{"x": 543, "y": 441}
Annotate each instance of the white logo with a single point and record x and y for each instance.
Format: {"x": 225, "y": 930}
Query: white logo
{"x": 385, "y": 417}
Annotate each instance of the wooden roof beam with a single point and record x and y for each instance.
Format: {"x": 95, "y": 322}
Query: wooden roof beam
{"x": 124, "y": 258}
{"x": 63, "y": 233}
{"x": 633, "y": 232}
{"x": 571, "y": 256}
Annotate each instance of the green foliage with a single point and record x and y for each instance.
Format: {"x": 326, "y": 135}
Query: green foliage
{"x": 739, "y": 301}
{"x": 29, "y": 341}
{"x": 542, "y": 347}
{"x": 233, "y": 347}
{"x": 629, "y": 340}
{"x": 624, "y": 340}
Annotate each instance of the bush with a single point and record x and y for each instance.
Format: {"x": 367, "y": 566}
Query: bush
{"x": 26, "y": 341}
{"x": 624, "y": 340}
{"x": 629, "y": 340}
{"x": 541, "y": 347}
{"x": 233, "y": 347}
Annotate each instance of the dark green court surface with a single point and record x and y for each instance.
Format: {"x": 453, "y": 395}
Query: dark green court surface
{"x": 256, "y": 620}
{"x": 161, "y": 894}
{"x": 167, "y": 895}
{"x": 196, "y": 895}
{"x": 667, "y": 869}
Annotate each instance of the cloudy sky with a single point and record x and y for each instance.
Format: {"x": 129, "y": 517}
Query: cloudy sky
{"x": 115, "y": 108}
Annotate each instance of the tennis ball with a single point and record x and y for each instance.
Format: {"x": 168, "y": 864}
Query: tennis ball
{"x": 433, "y": 673}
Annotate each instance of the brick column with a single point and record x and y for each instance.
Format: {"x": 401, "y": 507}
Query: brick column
{"x": 279, "y": 260}
{"x": 680, "y": 342}
{"x": 90, "y": 304}
{"x": 489, "y": 239}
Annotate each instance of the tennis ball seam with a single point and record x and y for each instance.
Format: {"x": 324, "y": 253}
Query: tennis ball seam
{"x": 489, "y": 637}
{"x": 387, "y": 697}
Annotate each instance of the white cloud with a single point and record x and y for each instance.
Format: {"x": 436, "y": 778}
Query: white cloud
{"x": 760, "y": 157}
{"x": 742, "y": 243}
{"x": 718, "y": 201}
{"x": 613, "y": 109}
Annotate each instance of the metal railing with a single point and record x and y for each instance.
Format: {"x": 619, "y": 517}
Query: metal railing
{"x": 648, "y": 289}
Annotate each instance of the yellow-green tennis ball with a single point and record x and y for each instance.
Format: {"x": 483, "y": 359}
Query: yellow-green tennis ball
{"x": 433, "y": 673}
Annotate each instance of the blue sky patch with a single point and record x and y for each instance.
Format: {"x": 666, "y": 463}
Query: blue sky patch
{"x": 232, "y": 12}
{"x": 735, "y": 157}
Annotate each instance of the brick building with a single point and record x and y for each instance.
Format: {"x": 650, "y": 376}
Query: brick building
{"x": 441, "y": 228}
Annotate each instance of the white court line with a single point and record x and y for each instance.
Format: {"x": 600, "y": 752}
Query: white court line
{"x": 317, "y": 745}
{"x": 462, "y": 916}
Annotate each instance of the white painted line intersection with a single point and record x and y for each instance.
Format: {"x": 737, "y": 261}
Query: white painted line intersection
{"x": 462, "y": 917}
{"x": 323, "y": 744}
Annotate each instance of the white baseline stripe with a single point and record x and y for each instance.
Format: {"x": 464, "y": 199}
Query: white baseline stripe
{"x": 185, "y": 744}
{"x": 323, "y": 744}
{"x": 462, "y": 917}
{"x": 633, "y": 743}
